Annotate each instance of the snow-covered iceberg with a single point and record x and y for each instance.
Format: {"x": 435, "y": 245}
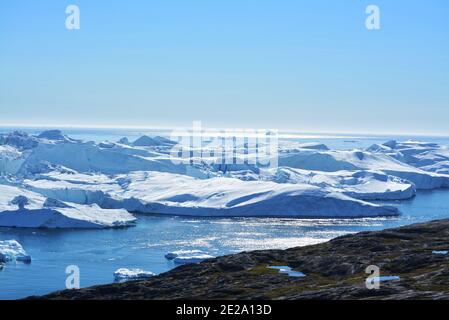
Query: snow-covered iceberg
{"x": 166, "y": 193}
{"x": 124, "y": 274}
{"x": 20, "y": 153}
{"x": 92, "y": 184}
{"x": 361, "y": 184}
{"x": 426, "y": 156}
{"x": 11, "y": 250}
{"x": 191, "y": 259}
{"x": 342, "y": 160}
{"x": 27, "y": 209}
{"x": 172, "y": 255}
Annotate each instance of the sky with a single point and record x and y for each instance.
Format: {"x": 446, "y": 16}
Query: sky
{"x": 308, "y": 66}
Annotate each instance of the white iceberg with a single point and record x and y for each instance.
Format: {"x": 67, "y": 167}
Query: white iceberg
{"x": 362, "y": 184}
{"x": 338, "y": 160}
{"x": 191, "y": 259}
{"x": 172, "y": 255}
{"x": 166, "y": 193}
{"x": 426, "y": 156}
{"x": 25, "y": 209}
{"x": 21, "y": 151}
{"x": 124, "y": 274}
{"x": 311, "y": 180}
{"x": 11, "y": 250}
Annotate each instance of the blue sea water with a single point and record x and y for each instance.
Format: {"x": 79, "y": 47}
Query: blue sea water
{"x": 98, "y": 253}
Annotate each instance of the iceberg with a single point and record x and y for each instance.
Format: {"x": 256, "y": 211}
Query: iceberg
{"x": 430, "y": 157}
{"x": 174, "y": 254}
{"x": 124, "y": 274}
{"x": 11, "y": 250}
{"x": 362, "y": 184}
{"x": 20, "y": 152}
{"x": 80, "y": 183}
{"x": 32, "y": 210}
{"x": 173, "y": 194}
{"x": 192, "y": 259}
{"x": 354, "y": 160}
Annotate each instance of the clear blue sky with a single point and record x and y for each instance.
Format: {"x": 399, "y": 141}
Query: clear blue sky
{"x": 286, "y": 64}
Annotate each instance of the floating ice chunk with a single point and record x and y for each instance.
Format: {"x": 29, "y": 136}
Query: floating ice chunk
{"x": 124, "y": 274}
{"x": 287, "y": 270}
{"x": 442, "y": 252}
{"x": 192, "y": 259}
{"x": 174, "y": 254}
{"x": 11, "y": 250}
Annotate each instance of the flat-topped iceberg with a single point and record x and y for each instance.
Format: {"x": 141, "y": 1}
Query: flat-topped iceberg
{"x": 361, "y": 184}
{"x": 191, "y": 259}
{"x": 25, "y": 209}
{"x": 172, "y": 255}
{"x": 11, "y": 250}
{"x": 166, "y": 193}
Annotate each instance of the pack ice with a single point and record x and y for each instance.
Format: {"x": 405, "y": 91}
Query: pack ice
{"x": 71, "y": 183}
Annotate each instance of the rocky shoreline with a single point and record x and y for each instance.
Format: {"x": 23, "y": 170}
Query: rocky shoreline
{"x": 334, "y": 270}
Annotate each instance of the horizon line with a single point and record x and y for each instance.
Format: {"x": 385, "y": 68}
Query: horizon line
{"x": 150, "y": 127}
